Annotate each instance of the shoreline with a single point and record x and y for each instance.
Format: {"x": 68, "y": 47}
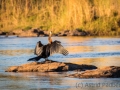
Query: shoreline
{"x": 44, "y": 33}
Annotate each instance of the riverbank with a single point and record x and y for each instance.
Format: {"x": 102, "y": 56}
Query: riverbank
{"x": 39, "y": 33}
{"x": 98, "y": 17}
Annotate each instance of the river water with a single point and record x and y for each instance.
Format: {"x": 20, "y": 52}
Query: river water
{"x": 98, "y": 51}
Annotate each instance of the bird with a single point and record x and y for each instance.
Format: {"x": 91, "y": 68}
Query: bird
{"x": 44, "y": 51}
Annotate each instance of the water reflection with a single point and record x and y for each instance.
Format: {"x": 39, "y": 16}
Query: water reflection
{"x": 99, "y": 62}
{"x": 12, "y": 81}
{"x": 55, "y": 81}
{"x": 96, "y": 51}
{"x": 16, "y": 52}
{"x": 77, "y": 49}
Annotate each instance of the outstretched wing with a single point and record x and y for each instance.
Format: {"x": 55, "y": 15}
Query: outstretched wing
{"x": 38, "y": 49}
{"x": 56, "y": 47}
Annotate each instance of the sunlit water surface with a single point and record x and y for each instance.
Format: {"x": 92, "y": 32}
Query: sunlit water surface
{"x": 98, "y": 51}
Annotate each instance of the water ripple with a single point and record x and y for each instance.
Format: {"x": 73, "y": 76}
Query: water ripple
{"x": 89, "y": 55}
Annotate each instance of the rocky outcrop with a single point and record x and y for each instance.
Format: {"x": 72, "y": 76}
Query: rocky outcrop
{"x": 25, "y": 33}
{"x": 49, "y": 66}
{"x": 31, "y": 33}
{"x": 83, "y": 71}
{"x": 0, "y": 32}
{"x": 76, "y": 32}
{"x": 105, "y": 72}
{"x": 41, "y": 33}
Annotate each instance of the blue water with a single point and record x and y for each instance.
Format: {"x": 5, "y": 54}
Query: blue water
{"x": 98, "y": 51}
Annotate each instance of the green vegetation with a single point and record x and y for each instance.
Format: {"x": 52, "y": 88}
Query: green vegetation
{"x": 27, "y": 28}
{"x": 98, "y": 17}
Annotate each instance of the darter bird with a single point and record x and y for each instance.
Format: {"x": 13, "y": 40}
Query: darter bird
{"x": 44, "y": 51}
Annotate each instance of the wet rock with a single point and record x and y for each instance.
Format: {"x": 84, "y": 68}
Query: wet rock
{"x": 7, "y": 33}
{"x": 3, "y": 33}
{"x": 43, "y": 33}
{"x": 11, "y": 33}
{"x": 49, "y": 66}
{"x": 63, "y": 33}
{"x": 25, "y": 33}
{"x": 76, "y": 32}
{"x": 35, "y": 32}
{"x": 105, "y": 72}
{"x": 28, "y": 33}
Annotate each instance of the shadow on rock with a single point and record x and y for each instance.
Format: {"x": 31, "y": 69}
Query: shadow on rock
{"x": 104, "y": 72}
{"x": 49, "y": 66}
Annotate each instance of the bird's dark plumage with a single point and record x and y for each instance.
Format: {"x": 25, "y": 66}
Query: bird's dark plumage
{"x": 44, "y": 51}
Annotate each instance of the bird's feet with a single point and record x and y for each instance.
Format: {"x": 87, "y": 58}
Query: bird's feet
{"x": 47, "y": 60}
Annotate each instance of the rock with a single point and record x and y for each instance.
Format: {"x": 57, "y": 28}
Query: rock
{"x": 26, "y": 33}
{"x": 63, "y": 33}
{"x": 38, "y": 32}
{"x": 46, "y": 33}
{"x": 105, "y": 72}
{"x": 4, "y": 33}
{"x": 0, "y": 32}
{"x": 11, "y": 33}
{"x": 7, "y": 33}
{"x": 76, "y": 32}
{"x": 35, "y": 32}
{"x": 43, "y": 33}
{"x": 49, "y": 66}
{"x": 30, "y": 33}
{"x": 17, "y": 32}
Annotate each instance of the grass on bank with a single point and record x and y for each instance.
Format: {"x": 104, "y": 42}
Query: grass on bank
{"x": 98, "y": 17}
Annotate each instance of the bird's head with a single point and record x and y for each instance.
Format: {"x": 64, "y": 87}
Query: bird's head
{"x": 50, "y": 33}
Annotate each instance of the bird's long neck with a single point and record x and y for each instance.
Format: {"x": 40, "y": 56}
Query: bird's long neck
{"x": 49, "y": 38}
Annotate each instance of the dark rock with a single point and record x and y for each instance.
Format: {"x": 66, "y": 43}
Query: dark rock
{"x": 17, "y": 32}
{"x": 0, "y": 32}
{"x": 25, "y": 33}
{"x": 11, "y": 33}
{"x": 40, "y": 33}
{"x": 30, "y": 33}
{"x": 64, "y": 33}
{"x": 4, "y": 33}
{"x": 48, "y": 66}
{"x": 55, "y": 35}
{"x": 105, "y": 72}
{"x": 76, "y": 32}
{"x": 35, "y": 30}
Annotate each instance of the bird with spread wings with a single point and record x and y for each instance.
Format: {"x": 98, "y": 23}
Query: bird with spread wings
{"x": 44, "y": 51}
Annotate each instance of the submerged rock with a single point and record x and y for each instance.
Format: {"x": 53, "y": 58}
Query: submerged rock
{"x": 49, "y": 66}
{"x": 105, "y": 72}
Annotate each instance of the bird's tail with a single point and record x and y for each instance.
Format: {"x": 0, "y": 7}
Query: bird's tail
{"x": 34, "y": 59}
